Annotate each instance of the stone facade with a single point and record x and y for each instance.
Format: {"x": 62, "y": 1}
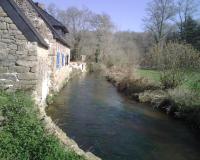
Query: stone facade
{"x": 37, "y": 22}
{"x": 58, "y": 73}
{"x": 28, "y": 66}
{"x": 18, "y": 57}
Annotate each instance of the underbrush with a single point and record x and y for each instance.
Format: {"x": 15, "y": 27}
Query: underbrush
{"x": 96, "y": 67}
{"x": 182, "y": 102}
{"x": 129, "y": 82}
{"x": 191, "y": 79}
{"x": 22, "y": 134}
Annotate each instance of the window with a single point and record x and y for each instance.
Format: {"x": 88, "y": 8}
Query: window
{"x": 63, "y": 60}
{"x": 58, "y": 60}
{"x": 66, "y": 60}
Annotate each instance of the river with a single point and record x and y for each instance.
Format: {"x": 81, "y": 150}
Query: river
{"x": 101, "y": 120}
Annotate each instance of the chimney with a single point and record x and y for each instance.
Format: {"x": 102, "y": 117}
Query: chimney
{"x": 41, "y": 5}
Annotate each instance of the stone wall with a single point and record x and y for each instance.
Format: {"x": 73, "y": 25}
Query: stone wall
{"x": 33, "y": 16}
{"x": 58, "y": 75}
{"x": 82, "y": 66}
{"x": 18, "y": 57}
{"x": 23, "y": 65}
{"x": 43, "y": 75}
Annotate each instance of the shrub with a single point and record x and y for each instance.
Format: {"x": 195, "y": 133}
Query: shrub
{"x": 185, "y": 99}
{"x": 171, "y": 78}
{"x": 174, "y": 60}
{"x": 23, "y": 136}
{"x": 194, "y": 84}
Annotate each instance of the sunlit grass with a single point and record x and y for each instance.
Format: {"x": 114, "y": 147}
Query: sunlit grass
{"x": 153, "y": 75}
{"x": 22, "y": 134}
{"x": 189, "y": 82}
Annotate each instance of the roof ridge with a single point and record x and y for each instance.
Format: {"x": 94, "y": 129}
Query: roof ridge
{"x": 20, "y": 18}
{"x": 55, "y": 33}
{"x": 52, "y": 17}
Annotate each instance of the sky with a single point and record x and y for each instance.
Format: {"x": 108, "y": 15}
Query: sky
{"x": 126, "y": 14}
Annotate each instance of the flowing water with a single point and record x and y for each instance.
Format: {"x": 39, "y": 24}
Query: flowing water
{"x": 101, "y": 120}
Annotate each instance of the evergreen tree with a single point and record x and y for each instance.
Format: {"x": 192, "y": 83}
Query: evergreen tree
{"x": 191, "y": 32}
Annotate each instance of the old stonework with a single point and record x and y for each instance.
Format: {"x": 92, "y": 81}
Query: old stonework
{"x": 34, "y": 54}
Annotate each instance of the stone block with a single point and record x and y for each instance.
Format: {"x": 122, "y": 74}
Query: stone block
{"x": 3, "y": 70}
{"x": 11, "y": 57}
{"x": 21, "y": 52}
{"x": 8, "y": 20}
{"x": 27, "y": 76}
{"x": 20, "y": 37}
{"x": 6, "y": 63}
{"x": 28, "y": 82}
{"x": 3, "y": 45}
{"x": 3, "y": 55}
{"x": 33, "y": 69}
{"x": 12, "y": 26}
{"x": 32, "y": 53}
{"x": 19, "y": 69}
{"x": 27, "y": 87}
{"x": 13, "y": 52}
{"x": 6, "y": 36}
{"x": 2, "y": 13}
{"x": 15, "y": 32}
{"x": 8, "y": 76}
{"x": 1, "y": 9}
{"x": 31, "y": 58}
{"x": 22, "y": 47}
{"x": 7, "y": 40}
{"x": 6, "y": 82}
{"x": 12, "y": 46}
{"x": 25, "y": 63}
{"x": 3, "y": 26}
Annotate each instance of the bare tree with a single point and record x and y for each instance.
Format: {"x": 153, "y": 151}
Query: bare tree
{"x": 78, "y": 21}
{"x": 103, "y": 27}
{"x": 52, "y": 9}
{"x": 159, "y": 15}
{"x": 93, "y": 35}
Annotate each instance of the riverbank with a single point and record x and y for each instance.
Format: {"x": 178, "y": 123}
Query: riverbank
{"x": 23, "y": 134}
{"x": 101, "y": 120}
{"x": 179, "y": 103}
{"x": 27, "y": 133}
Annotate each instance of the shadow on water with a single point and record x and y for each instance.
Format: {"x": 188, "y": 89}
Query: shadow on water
{"x": 99, "y": 119}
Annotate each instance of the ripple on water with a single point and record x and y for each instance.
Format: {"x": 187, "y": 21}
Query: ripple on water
{"x": 101, "y": 120}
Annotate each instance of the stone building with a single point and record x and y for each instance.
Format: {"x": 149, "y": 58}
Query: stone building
{"x": 34, "y": 54}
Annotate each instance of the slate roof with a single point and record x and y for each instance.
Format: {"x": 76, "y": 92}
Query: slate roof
{"x": 52, "y": 23}
{"x": 22, "y": 22}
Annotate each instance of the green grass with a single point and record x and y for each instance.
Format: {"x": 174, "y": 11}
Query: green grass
{"x": 192, "y": 80}
{"x": 190, "y": 77}
{"x": 153, "y": 75}
{"x": 22, "y": 135}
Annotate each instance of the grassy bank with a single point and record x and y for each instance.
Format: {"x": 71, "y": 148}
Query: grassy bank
{"x": 22, "y": 134}
{"x": 144, "y": 86}
{"x": 154, "y": 75}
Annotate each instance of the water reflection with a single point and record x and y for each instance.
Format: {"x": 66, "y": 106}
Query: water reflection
{"x": 99, "y": 119}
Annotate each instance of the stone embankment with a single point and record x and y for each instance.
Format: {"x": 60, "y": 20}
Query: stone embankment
{"x": 52, "y": 128}
{"x": 144, "y": 91}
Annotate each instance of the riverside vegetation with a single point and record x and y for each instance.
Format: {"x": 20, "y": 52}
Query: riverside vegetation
{"x": 173, "y": 86}
{"x": 23, "y": 135}
{"x": 168, "y": 49}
